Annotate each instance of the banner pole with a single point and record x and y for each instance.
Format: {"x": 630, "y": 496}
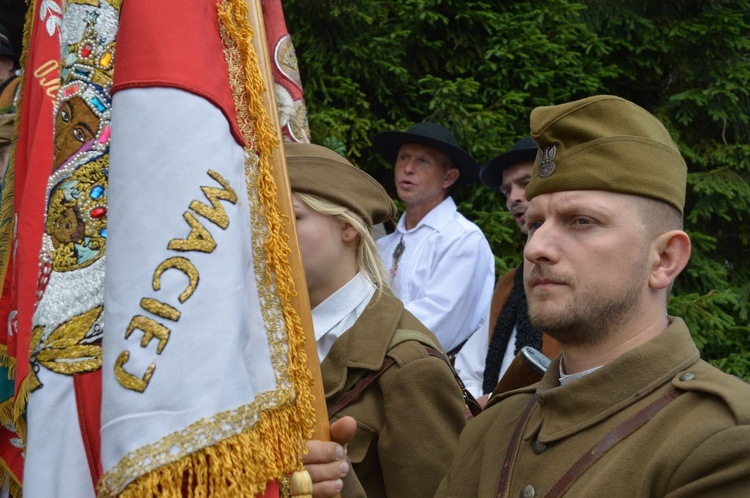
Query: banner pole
{"x": 301, "y": 302}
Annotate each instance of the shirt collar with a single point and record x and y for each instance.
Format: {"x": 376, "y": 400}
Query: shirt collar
{"x": 437, "y": 218}
{"x": 339, "y": 304}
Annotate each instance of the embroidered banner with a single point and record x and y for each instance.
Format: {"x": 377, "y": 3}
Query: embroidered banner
{"x": 204, "y": 384}
{"x": 288, "y": 83}
{"x": 21, "y": 218}
{"x": 62, "y": 454}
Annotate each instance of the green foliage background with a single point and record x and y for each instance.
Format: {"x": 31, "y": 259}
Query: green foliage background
{"x": 479, "y": 67}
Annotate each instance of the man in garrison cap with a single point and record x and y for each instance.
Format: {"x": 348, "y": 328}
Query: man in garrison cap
{"x": 441, "y": 263}
{"x": 628, "y": 409}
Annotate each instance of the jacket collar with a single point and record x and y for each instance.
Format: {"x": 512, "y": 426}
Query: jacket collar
{"x": 365, "y": 344}
{"x": 612, "y": 388}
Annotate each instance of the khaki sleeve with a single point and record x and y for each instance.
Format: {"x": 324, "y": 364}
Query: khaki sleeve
{"x": 424, "y": 411}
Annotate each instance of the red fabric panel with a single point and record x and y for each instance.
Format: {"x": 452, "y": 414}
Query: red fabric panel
{"x": 164, "y": 44}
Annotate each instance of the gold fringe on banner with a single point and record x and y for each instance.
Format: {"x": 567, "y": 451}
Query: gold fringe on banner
{"x": 15, "y": 490}
{"x": 242, "y": 465}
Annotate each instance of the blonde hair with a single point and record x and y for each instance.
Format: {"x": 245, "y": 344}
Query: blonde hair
{"x": 368, "y": 260}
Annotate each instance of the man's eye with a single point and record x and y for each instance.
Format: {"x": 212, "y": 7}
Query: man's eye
{"x": 533, "y": 225}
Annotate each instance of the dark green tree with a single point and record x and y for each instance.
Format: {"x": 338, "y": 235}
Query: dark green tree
{"x": 480, "y": 67}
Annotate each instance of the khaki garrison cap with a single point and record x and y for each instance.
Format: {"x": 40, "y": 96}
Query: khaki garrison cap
{"x": 316, "y": 170}
{"x": 605, "y": 143}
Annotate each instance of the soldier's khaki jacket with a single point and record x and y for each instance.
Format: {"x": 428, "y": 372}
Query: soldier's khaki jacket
{"x": 697, "y": 446}
{"x": 408, "y": 421}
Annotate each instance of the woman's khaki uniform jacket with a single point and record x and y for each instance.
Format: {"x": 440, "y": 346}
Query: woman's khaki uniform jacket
{"x": 409, "y": 419}
{"x": 697, "y": 446}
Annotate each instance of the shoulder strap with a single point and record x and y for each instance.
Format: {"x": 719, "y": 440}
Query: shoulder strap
{"x": 503, "y": 483}
{"x": 403, "y": 335}
{"x": 399, "y": 337}
{"x": 360, "y": 386}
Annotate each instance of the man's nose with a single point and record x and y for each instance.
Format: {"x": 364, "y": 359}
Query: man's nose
{"x": 540, "y": 246}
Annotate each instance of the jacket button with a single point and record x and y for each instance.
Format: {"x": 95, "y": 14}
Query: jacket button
{"x": 687, "y": 376}
{"x": 528, "y": 491}
{"x": 538, "y": 447}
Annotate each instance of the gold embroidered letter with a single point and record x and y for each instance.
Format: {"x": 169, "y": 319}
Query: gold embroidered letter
{"x": 199, "y": 238}
{"x": 150, "y": 329}
{"x": 186, "y": 267}
{"x": 160, "y": 309}
{"x": 215, "y": 215}
{"x": 128, "y": 380}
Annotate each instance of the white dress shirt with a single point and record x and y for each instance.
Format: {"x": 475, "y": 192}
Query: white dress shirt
{"x": 470, "y": 361}
{"x": 338, "y": 312}
{"x": 445, "y": 273}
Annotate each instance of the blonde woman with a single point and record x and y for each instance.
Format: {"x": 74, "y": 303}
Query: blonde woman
{"x": 409, "y": 408}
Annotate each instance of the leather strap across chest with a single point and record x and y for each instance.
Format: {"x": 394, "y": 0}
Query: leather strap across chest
{"x": 353, "y": 393}
{"x": 616, "y": 435}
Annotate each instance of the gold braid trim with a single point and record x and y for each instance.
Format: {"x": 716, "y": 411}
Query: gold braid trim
{"x": 6, "y": 411}
{"x": 14, "y": 486}
{"x": 8, "y": 407}
{"x": 261, "y": 135}
{"x": 243, "y": 464}
{"x": 7, "y": 361}
{"x": 22, "y": 397}
{"x": 237, "y": 466}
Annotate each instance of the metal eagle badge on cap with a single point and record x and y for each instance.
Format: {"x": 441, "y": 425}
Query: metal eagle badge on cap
{"x": 546, "y": 166}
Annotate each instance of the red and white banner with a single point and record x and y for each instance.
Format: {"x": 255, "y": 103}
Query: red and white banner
{"x": 203, "y": 385}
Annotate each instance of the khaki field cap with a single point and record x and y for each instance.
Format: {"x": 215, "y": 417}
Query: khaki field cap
{"x": 316, "y": 170}
{"x": 605, "y": 143}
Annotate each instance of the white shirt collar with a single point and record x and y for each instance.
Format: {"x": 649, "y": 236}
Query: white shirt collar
{"x": 568, "y": 378}
{"x": 339, "y": 306}
{"x": 436, "y": 218}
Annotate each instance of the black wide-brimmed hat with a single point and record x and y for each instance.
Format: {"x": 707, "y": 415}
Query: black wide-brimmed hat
{"x": 433, "y": 135}
{"x": 523, "y": 150}
{"x": 6, "y": 48}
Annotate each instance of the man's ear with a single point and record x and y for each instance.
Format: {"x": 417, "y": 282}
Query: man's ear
{"x": 450, "y": 177}
{"x": 671, "y": 255}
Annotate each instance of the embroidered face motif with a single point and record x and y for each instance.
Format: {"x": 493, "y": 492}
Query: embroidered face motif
{"x": 75, "y": 125}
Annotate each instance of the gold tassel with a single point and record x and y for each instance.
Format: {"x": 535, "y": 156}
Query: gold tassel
{"x": 301, "y": 484}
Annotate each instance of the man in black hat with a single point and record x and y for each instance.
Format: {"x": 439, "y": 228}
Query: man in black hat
{"x": 486, "y": 356}
{"x": 441, "y": 263}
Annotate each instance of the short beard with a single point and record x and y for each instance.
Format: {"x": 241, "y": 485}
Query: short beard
{"x": 592, "y": 319}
